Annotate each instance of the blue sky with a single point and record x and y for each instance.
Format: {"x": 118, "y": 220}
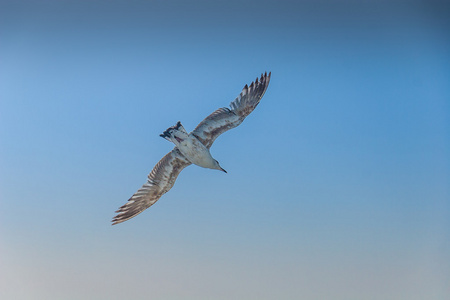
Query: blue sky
{"x": 337, "y": 184}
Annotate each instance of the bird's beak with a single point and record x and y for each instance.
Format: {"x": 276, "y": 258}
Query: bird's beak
{"x": 223, "y": 170}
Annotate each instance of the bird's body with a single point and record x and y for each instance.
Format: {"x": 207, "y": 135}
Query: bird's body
{"x": 196, "y": 152}
{"x": 192, "y": 148}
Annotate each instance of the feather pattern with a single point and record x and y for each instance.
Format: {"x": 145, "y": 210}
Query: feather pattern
{"x": 195, "y": 147}
{"x": 160, "y": 180}
{"x": 224, "y": 119}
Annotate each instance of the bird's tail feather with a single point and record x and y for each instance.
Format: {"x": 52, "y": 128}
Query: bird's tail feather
{"x": 168, "y": 133}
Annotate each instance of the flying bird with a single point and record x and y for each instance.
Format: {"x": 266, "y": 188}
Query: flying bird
{"x": 192, "y": 148}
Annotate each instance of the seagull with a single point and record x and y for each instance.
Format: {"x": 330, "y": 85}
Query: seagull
{"x": 192, "y": 148}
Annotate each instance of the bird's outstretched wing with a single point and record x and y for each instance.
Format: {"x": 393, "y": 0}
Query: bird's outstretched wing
{"x": 160, "y": 180}
{"x": 225, "y": 119}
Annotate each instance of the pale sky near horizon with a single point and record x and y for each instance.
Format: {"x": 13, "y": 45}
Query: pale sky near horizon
{"x": 337, "y": 184}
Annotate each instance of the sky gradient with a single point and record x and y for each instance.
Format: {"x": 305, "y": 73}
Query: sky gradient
{"x": 337, "y": 184}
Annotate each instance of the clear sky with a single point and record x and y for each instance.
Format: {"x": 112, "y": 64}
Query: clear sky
{"x": 337, "y": 184}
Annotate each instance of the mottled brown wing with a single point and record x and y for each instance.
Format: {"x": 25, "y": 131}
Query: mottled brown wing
{"x": 160, "y": 180}
{"x": 225, "y": 119}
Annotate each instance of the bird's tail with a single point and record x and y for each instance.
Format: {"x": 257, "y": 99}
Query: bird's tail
{"x": 168, "y": 133}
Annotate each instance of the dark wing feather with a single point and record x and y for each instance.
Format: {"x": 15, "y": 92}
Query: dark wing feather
{"x": 225, "y": 119}
{"x": 160, "y": 180}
